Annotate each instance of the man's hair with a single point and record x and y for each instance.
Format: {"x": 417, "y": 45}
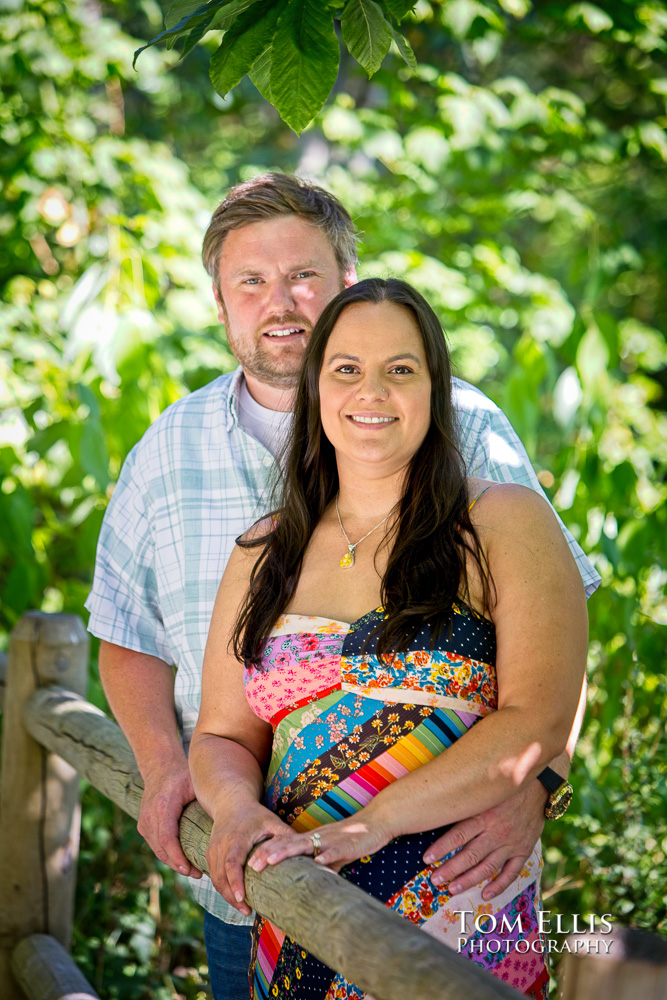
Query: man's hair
{"x": 272, "y": 195}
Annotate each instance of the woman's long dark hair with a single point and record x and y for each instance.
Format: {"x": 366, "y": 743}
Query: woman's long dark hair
{"x": 432, "y": 531}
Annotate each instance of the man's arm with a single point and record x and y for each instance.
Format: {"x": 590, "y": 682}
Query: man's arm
{"x": 135, "y": 658}
{"x": 140, "y": 691}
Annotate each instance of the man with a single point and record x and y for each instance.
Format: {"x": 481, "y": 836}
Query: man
{"x": 277, "y": 250}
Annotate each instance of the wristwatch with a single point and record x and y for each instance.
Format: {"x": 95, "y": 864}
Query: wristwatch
{"x": 560, "y": 793}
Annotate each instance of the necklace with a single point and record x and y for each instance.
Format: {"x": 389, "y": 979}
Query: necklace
{"x": 348, "y": 559}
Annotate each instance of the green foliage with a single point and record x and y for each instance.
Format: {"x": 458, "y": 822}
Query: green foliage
{"x": 138, "y": 930}
{"x": 304, "y": 61}
{"x": 295, "y": 40}
{"x": 517, "y": 177}
{"x": 240, "y": 48}
{"x": 366, "y": 33}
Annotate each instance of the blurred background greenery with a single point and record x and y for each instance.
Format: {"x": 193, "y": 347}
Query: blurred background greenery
{"x": 517, "y": 177}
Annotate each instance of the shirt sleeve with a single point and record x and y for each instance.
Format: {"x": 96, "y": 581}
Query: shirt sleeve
{"x": 123, "y": 603}
{"x": 493, "y": 450}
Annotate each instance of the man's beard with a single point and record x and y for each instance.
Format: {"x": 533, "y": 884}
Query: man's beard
{"x": 278, "y": 370}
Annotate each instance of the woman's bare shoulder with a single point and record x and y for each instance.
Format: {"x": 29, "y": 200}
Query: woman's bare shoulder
{"x": 509, "y": 505}
{"x": 258, "y": 531}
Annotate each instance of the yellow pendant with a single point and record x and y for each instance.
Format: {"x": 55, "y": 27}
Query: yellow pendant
{"x": 347, "y": 560}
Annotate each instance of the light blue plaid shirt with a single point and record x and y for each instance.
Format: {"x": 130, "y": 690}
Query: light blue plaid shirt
{"x": 188, "y": 489}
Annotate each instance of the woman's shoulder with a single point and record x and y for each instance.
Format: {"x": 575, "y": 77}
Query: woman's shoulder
{"x": 257, "y": 532}
{"x": 516, "y": 527}
{"x": 490, "y": 502}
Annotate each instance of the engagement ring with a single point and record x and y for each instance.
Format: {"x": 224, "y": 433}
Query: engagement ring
{"x": 317, "y": 843}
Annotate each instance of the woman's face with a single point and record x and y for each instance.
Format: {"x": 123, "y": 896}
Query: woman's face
{"x": 375, "y": 386}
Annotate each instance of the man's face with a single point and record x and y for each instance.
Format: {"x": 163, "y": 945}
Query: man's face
{"x": 275, "y": 279}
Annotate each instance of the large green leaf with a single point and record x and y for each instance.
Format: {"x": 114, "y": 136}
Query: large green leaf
{"x": 180, "y": 9}
{"x": 304, "y": 62}
{"x": 93, "y": 454}
{"x": 185, "y": 16}
{"x": 398, "y": 8}
{"x": 196, "y": 35}
{"x": 260, "y": 74}
{"x": 404, "y": 48}
{"x": 186, "y": 24}
{"x": 366, "y": 33}
{"x": 250, "y": 36}
{"x": 226, "y": 16}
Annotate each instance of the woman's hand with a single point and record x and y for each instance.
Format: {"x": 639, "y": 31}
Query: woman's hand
{"x": 232, "y": 839}
{"x": 341, "y": 843}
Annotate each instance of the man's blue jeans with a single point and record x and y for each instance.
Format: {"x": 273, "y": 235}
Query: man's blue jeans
{"x": 228, "y": 952}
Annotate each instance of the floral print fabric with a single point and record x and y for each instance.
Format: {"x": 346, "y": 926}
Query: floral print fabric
{"x": 347, "y": 724}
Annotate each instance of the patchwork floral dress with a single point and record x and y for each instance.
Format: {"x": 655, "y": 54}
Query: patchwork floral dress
{"x": 345, "y": 726}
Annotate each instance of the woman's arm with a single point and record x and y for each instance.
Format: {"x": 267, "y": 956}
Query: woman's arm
{"x": 230, "y": 746}
{"x": 541, "y": 628}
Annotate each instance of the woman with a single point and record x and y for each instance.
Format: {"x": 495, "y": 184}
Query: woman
{"x": 475, "y": 645}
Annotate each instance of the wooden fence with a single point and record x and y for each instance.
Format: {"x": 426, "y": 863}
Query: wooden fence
{"x": 51, "y": 735}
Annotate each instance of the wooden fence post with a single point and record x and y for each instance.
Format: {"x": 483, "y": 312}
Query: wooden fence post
{"x": 624, "y": 964}
{"x": 46, "y": 971}
{"x": 39, "y": 796}
{"x": 3, "y": 678}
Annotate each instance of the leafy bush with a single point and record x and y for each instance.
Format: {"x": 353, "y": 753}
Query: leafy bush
{"x": 517, "y": 177}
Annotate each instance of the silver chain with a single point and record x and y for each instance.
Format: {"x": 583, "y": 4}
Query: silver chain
{"x": 350, "y": 546}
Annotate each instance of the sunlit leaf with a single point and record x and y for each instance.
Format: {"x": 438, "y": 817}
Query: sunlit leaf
{"x": 250, "y": 36}
{"x": 260, "y": 74}
{"x": 366, "y": 33}
{"x": 180, "y": 9}
{"x": 187, "y": 22}
{"x": 404, "y": 48}
{"x": 196, "y": 35}
{"x": 398, "y": 8}
{"x": 304, "y": 62}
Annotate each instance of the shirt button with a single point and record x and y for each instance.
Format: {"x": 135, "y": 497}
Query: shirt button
{"x": 267, "y": 460}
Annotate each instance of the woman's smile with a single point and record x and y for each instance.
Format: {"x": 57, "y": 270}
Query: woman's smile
{"x": 375, "y": 387}
{"x": 371, "y": 420}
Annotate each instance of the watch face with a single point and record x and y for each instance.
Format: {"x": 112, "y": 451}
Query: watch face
{"x": 559, "y": 801}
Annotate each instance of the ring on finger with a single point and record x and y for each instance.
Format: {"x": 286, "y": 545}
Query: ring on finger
{"x": 316, "y": 842}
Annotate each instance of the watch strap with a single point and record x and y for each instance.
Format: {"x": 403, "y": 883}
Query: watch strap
{"x": 551, "y": 780}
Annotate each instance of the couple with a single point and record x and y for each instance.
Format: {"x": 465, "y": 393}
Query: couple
{"x": 278, "y": 251}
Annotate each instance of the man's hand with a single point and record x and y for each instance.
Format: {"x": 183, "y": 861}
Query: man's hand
{"x": 497, "y": 842}
{"x": 140, "y": 691}
{"x": 166, "y": 794}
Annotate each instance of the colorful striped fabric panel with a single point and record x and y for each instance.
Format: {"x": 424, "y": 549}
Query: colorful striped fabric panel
{"x": 397, "y": 739}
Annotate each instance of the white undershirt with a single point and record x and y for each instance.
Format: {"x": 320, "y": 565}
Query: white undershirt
{"x": 269, "y": 427}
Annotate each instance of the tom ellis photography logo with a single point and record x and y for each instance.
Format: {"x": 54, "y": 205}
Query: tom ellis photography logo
{"x": 491, "y": 934}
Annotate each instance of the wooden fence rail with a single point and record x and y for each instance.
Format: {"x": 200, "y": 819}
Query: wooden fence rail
{"x": 339, "y": 923}
{"x": 51, "y": 735}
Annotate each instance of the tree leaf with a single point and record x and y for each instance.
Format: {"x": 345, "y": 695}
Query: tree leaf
{"x": 260, "y": 74}
{"x": 186, "y": 23}
{"x": 250, "y": 36}
{"x": 366, "y": 33}
{"x": 93, "y": 454}
{"x": 404, "y": 48}
{"x": 223, "y": 18}
{"x": 304, "y": 62}
{"x": 180, "y": 9}
{"x": 398, "y": 8}
{"x": 226, "y": 16}
{"x": 196, "y": 35}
